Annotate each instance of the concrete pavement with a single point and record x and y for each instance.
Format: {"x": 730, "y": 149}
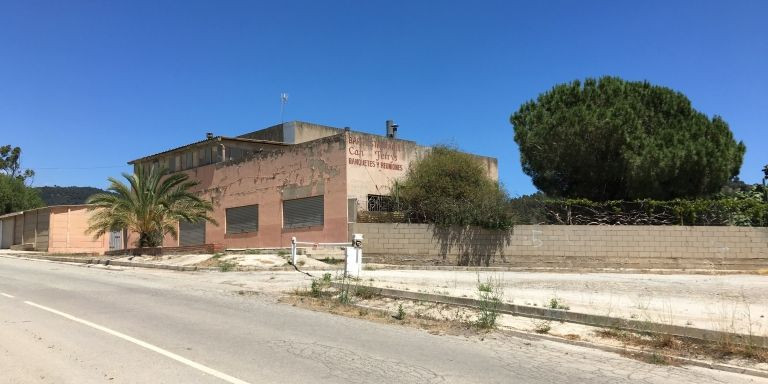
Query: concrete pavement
{"x": 68, "y": 324}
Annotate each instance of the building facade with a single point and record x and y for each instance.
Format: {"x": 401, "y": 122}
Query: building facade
{"x": 54, "y": 229}
{"x": 292, "y": 179}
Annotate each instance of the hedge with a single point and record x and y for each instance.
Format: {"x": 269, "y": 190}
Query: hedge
{"x": 722, "y": 212}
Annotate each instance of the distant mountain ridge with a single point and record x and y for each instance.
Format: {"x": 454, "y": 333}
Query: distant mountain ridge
{"x": 57, "y": 195}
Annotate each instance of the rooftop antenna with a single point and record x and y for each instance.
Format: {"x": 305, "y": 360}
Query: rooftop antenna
{"x": 283, "y": 101}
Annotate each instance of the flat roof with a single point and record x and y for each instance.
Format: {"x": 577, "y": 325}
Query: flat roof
{"x": 216, "y": 138}
{"x": 46, "y": 207}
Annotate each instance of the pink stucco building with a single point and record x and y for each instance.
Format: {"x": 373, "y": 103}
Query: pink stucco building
{"x": 54, "y": 229}
{"x": 292, "y": 179}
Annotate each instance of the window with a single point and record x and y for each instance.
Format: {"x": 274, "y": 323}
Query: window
{"x": 243, "y": 219}
{"x": 302, "y": 213}
{"x": 188, "y": 156}
{"x": 380, "y": 203}
{"x": 204, "y": 156}
{"x": 191, "y": 233}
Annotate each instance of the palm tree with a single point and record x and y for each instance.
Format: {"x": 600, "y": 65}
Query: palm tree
{"x": 151, "y": 205}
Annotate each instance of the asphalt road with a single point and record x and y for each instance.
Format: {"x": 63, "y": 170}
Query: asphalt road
{"x": 62, "y": 323}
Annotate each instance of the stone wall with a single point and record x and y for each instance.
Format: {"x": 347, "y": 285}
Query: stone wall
{"x": 564, "y": 246}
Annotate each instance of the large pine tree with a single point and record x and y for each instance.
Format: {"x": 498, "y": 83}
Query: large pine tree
{"x": 611, "y": 139}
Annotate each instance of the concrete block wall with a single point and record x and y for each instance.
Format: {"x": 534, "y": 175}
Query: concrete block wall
{"x": 569, "y": 246}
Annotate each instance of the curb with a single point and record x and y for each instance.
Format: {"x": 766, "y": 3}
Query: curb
{"x": 579, "y": 318}
{"x": 116, "y": 263}
{"x": 621, "y": 350}
{"x": 376, "y": 266}
{"x": 618, "y": 350}
{"x": 105, "y": 262}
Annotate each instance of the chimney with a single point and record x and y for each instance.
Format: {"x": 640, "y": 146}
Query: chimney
{"x": 391, "y": 129}
{"x": 209, "y": 135}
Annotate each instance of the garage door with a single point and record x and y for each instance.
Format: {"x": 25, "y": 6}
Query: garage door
{"x": 191, "y": 233}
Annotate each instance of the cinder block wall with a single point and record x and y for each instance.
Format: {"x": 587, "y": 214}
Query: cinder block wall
{"x": 569, "y": 246}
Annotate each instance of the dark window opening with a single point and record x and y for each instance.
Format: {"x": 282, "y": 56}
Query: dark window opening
{"x": 381, "y": 203}
{"x": 302, "y": 213}
{"x": 243, "y": 219}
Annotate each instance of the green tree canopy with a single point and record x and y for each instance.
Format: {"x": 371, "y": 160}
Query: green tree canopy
{"x": 151, "y": 205}
{"x": 15, "y": 196}
{"x": 610, "y": 139}
{"x": 448, "y": 187}
{"x": 10, "y": 163}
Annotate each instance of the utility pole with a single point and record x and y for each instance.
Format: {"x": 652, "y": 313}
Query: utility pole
{"x": 283, "y": 101}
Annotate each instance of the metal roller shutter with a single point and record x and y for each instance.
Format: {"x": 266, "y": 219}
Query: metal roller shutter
{"x": 306, "y": 212}
{"x": 191, "y": 233}
{"x": 243, "y": 219}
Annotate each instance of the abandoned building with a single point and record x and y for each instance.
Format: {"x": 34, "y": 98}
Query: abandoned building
{"x": 292, "y": 179}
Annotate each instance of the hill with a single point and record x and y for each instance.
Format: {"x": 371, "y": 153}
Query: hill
{"x": 56, "y": 195}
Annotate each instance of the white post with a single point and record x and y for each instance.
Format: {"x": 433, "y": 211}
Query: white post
{"x": 293, "y": 250}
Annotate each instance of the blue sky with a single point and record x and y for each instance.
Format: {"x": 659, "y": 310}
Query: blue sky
{"x": 87, "y": 85}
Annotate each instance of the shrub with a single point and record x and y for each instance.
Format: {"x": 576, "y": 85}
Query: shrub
{"x": 731, "y": 211}
{"x": 448, "y": 187}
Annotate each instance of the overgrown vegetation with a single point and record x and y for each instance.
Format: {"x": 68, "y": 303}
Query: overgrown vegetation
{"x": 740, "y": 209}
{"x": 400, "y": 315}
{"x": 490, "y": 294}
{"x": 227, "y": 265}
{"x": 668, "y": 344}
{"x": 448, "y": 187}
{"x": 217, "y": 261}
{"x": 542, "y": 326}
{"x": 611, "y": 139}
{"x": 558, "y": 303}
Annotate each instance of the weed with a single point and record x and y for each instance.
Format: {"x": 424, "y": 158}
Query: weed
{"x": 490, "y": 293}
{"x": 542, "y": 327}
{"x": 344, "y": 292}
{"x": 555, "y": 303}
{"x": 655, "y": 358}
{"x": 282, "y": 253}
{"x": 485, "y": 287}
{"x": 217, "y": 255}
{"x": 326, "y": 277}
{"x": 226, "y": 266}
{"x": 316, "y": 288}
{"x": 669, "y": 344}
{"x": 366, "y": 292}
{"x": 400, "y": 315}
{"x": 344, "y": 296}
{"x": 252, "y": 252}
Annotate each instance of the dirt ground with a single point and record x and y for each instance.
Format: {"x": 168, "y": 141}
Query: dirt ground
{"x": 244, "y": 261}
{"x": 732, "y": 303}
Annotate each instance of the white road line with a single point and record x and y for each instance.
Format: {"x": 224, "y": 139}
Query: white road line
{"x": 7, "y": 295}
{"x": 200, "y": 367}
